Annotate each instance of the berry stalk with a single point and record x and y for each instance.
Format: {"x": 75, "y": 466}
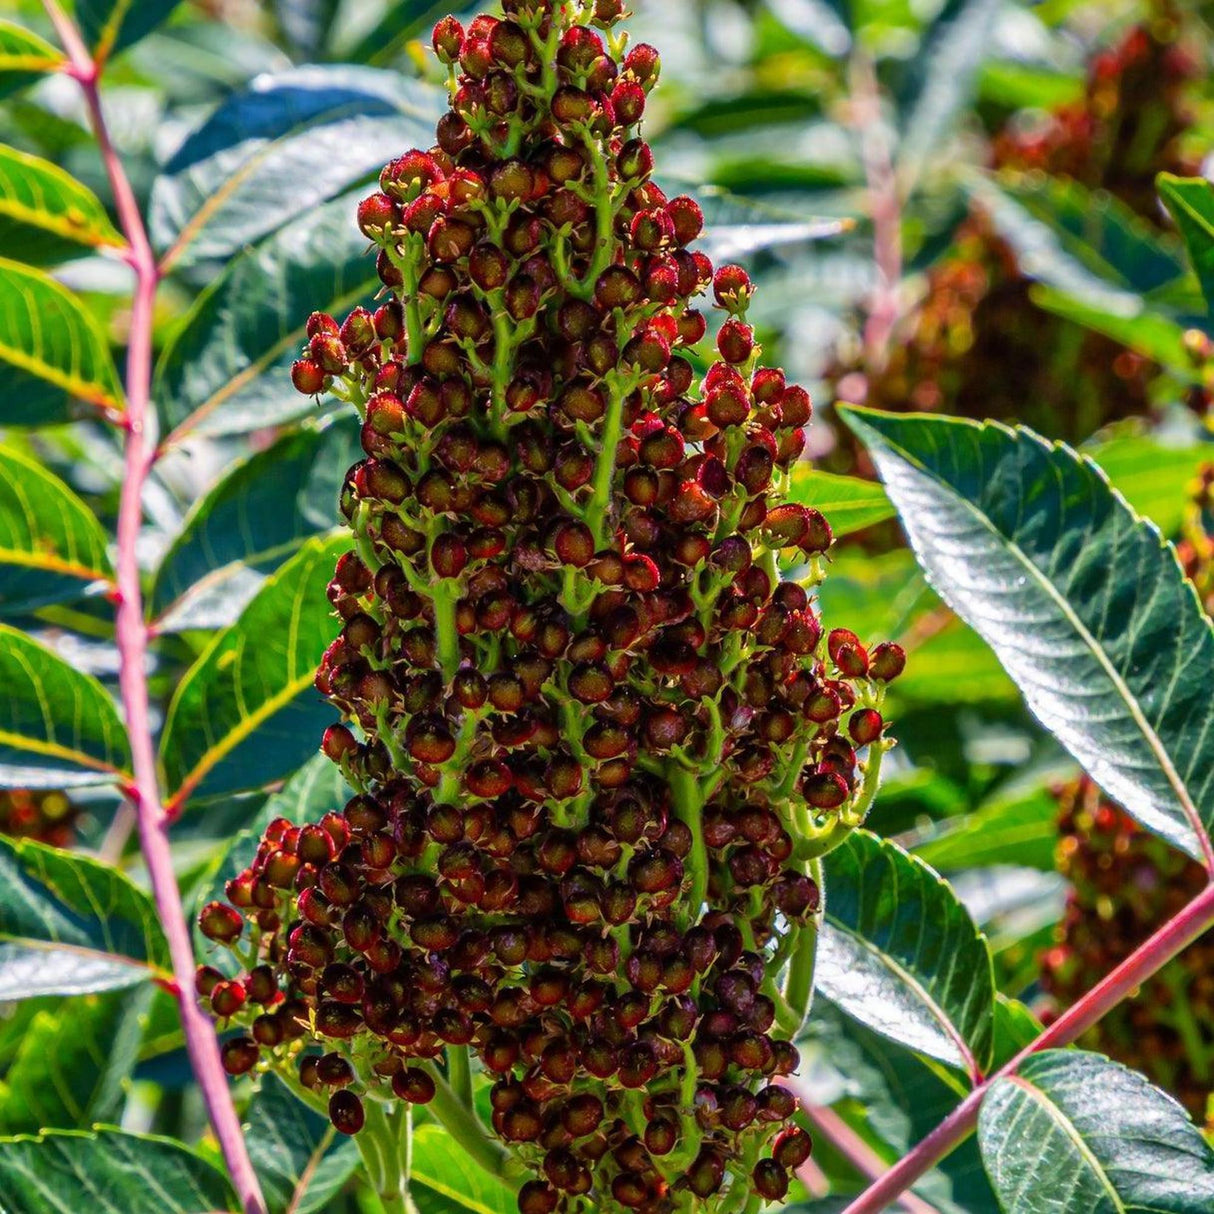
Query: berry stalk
{"x": 1146, "y": 961}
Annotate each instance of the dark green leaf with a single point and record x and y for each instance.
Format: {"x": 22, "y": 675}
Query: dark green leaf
{"x": 53, "y": 348}
{"x": 246, "y": 712}
{"x": 1073, "y": 1133}
{"x": 1085, "y": 605}
{"x": 1190, "y": 200}
{"x": 108, "y": 1172}
{"x": 1063, "y": 233}
{"x": 275, "y": 152}
{"x": 51, "y": 545}
{"x": 24, "y": 57}
{"x": 260, "y": 512}
{"x": 227, "y": 370}
{"x": 72, "y": 926}
{"x": 900, "y": 954}
{"x": 35, "y": 193}
{"x": 299, "y": 1157}
{"x": 53, "y": 717}
{"x": 70, "y": 1071}
{"x": 404, "y": 20}
{"x": 849, "y": 503}
{"x": 112, "y": 25}
{"x": 903, "y": 1095}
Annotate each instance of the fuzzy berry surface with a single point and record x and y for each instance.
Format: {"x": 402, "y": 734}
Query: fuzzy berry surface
{"x": 598, "y": 743}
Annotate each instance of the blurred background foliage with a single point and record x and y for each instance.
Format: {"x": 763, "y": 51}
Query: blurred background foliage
{"x": 948, "y": 205}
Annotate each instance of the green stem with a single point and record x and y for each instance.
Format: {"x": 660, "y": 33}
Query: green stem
{"x": 689, "y": 805}
{"x": 604, "y": 471}
{"x": 459, "y": 1120}
{"x": 459, "y": 1073}
{"x": 799, "y": 984}
{"x": 385, "y": 1144}
{"x": 444, "y": 594}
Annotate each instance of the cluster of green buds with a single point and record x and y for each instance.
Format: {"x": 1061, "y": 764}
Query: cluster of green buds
{"x": 599, "y": 746}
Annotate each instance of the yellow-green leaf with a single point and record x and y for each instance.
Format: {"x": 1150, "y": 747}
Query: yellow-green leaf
{"x": 53, "y": 716}
{"x": 246, "y": 712}
{"x": 23, "y": 57}
{"x": 51, "y": 545}
{"x": 55, "y": 350}
{"x": 848, "y": 502}
{"x": 39, "y": 194}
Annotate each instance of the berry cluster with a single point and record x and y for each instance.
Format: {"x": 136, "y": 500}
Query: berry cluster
{"x": 976, "y": 345}
{"x": 1125, "y": 884}
{"x": 598, "y": 744}
{"x": 45, "y": 816}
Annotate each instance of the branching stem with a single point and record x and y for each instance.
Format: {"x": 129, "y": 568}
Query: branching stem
{"x": 133, "y": 634}
{"x": 1140, "y": 965}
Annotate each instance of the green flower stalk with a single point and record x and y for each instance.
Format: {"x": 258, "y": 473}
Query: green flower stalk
{"x": 598, "y": 745}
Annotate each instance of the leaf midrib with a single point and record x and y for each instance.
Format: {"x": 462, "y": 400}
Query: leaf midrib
{"x": 1188, "y": 808}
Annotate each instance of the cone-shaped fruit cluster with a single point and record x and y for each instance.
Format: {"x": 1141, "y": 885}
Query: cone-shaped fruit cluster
{"x": 977, "y": 346}
{"x": 1125, "y": 885}
{"x": 45, "y": 816}
{"x": 597, "y": 742}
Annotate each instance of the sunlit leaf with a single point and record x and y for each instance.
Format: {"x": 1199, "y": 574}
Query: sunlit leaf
{"x": 54, "y": 716}
{"x": 72, "y": 926}
{"x": 279, "y": 149}
{"x": 107, "y": 1172}
{"x": 1082, "y": 601}
{"x": 1191, "y": 203}
{"x": 73, "y": 1062}
{"x": 34, "y": 193}
{"x": 1073, "y": 1133}
{"x": 51, "y": 544}
{"x": 899, "y": 953}
{"x": 300, "y": 1159}
{"x": 246, "y": 712}
{"x": 53, "y": 349}
{"x": 849, "y": 503}
{"x": 24, "y": 57}
{"x": 227, "y": 369}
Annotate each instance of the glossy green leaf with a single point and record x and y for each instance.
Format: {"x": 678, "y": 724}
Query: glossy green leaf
{"x": 71, "y": 1069}
{"x": 24, "y": 57}
{"x": 51, "y": 544}
{"x": 1073, "y": 1133}
{"x": 1190, "y": 201}
{"x": 1018, "y": 829}
{"x": 276, "y": 151}
{"x": 300, "y": 1159}
{"x": 257, "y": 515}
{"x": 34, "y": 193}
{"x": 246, "y": 712}
{"x": 903, "y": 1095}
{"x": 53, "y": 349}
{"x": 107, "y": 1172}
{"x": 1153, "y": 478}
{"x": 900, "y": 953}
{"x": 444, "y": 1182}
{"x": 849, "y": 502}
{"x": 113, "y": 25}
{"x": 1084, "y": 604}
{"x": 54, "y": 717}
{"x": 72, "y": 926}
{"x": 227, "y": 369}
